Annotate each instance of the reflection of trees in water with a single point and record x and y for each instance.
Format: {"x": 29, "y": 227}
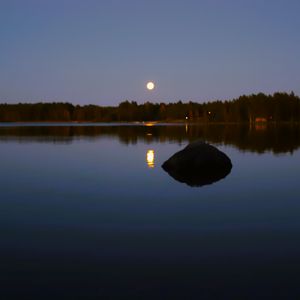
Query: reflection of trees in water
{"x": 278, "y": 139}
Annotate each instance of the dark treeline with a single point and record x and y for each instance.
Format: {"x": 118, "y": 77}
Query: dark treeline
{"x": 282, "y": 138}
{"x": 279, "y": 107}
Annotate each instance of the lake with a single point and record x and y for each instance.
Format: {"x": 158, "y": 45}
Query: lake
{"x": 87, "y": 212}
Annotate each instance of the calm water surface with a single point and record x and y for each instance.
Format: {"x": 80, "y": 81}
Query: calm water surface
{"x": 87, "y": 212}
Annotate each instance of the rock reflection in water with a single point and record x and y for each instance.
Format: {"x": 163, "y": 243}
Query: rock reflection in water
{"x": 198, "y": 164}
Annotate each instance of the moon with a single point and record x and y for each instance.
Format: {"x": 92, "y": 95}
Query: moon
{"x": 150, "y": 85}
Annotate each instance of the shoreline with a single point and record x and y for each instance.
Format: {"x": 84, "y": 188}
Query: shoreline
{"x": 149, "y": 123}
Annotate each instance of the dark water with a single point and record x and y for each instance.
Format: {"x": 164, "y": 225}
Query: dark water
{"x": 87, "y": 212}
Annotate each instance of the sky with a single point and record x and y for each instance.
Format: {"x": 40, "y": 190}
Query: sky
{"x": 104, "y": 51}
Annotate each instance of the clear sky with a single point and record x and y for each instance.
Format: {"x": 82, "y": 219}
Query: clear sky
{"x": 104, "y": 51}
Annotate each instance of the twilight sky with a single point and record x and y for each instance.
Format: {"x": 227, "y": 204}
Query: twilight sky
{"x": 104, "y": 51}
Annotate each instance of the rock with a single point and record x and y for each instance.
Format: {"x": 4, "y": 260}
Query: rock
{"x": 198, "y": 164}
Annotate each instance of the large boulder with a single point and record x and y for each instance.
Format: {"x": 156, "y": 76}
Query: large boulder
{"x": 198, "y": 164}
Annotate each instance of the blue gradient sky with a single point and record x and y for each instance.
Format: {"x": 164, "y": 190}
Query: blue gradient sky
{"x": 105, "y": 51}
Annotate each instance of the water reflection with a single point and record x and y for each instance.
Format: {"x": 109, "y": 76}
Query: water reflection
{"x": 150, "y": 158}
{"x": 277, "y": 139}
{"x": 260, "y": 126}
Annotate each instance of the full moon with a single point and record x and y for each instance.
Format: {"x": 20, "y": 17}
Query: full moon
{"x": 150, "y": 85}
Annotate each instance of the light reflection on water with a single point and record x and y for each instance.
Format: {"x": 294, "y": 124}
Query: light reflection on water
{"x": 150, "y": 157}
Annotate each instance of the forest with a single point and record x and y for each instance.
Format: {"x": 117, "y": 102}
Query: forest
{"x": 256, "y": 108}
